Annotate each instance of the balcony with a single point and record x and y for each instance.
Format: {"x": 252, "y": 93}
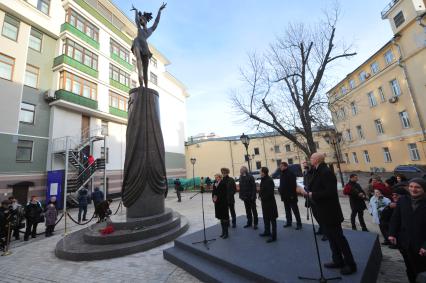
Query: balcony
{"x": 119, "y": 85}
{"x": 76, "y": 99}
{"x": 80, "y": 34}
{"x": 64, "y": 59}
{"x": 388, "y": 8}
{"x": 122, "y": 62}
{"x": 118, "y": 112}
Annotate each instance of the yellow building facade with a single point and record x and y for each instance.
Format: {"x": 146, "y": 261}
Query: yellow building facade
{"x": 380, "y": 107}
{"x": 265, "y": 150}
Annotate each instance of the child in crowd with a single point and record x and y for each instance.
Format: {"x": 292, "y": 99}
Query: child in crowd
{"x": 377, "y": 203}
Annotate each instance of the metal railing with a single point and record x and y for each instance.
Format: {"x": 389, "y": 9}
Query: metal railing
{"x": 388, "y": 8}
{"x": 76, "y": 142}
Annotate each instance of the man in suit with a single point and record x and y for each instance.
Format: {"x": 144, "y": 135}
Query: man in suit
{"x": 288, "y": 194}
{"x": 231, "y": 189}
{"x": 248, "y": 195}
{"x": 323, "y": 194}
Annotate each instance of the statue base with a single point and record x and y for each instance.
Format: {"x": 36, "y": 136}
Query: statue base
{"x": 148, "y": 204}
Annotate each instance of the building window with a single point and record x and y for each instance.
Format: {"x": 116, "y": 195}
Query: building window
{"x": 27, "y": 113}
{"x": 287, "y": 148}
{"x": 352, "y": 84}
{"x": 256, "y": 151}
{"x": 348, "y": 135}
{"x": 278, "y": 162}
{"x": 36, "y": 39}
{"x": 258, "y": 165}
{"x": 118, "y": 101}
{"x": 387, "y": 155}
{"x": 7, "y": 65}
{"x": 10, "y": 27}
{"x": 381, "y": 94}
{"x": 354, "y": 157}
{"x": 104, "y": 128}
{"x": 77, "y": 85}
{"x": 362, "y": 76}
{"x": 347, "y": 158}
{"x": 277, "y": 148}
{"x": 414, "y": 152}
{"x": 80, "y": 54}
{"x": 43, "y": 6}
{"x": 374, "y": 68}
{"x": 290, "y": 161}
{"x": 388, "y": 57}
{"x": 405, "y": 120}
{"x": 343, "y": 90}
{"x": 153, "y": 78}
{"x": 153, "y": 62}
{"x": 399, "y": 19}
{"x": 371, "y": 99}
{"x": 343, "y": 113}
{"x": 360, "y": 132}
{"x": 24, "y": 151}
{"x": 379, "y": 126}
{"x": 120, "y": 51}
{"x": 31, "y": 76}
{"x": 119, "y": 75}
{"x": 396, "y": 90}
{"x": 82, "y": 24}
{"x": 354, "y": 108}
{"x": 366, "y": 157}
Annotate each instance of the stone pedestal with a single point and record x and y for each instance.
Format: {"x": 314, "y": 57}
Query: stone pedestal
{"x": 148, "y": 204}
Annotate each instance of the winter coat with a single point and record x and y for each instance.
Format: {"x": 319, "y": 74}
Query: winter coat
{"x": 408, "y": 226}
{"x": 288, "y": 186}
{"x": 325, "y": 199}
{"x": 307, "y": 176}
{"x": 82, "y": 197}
{"x": 247, "y": 187}
{"x": 97, "y": 196}
{"x": 51, "y": 215}
{"x": 376, "y": 207}
{"x": 102, "y": 209}
{"x": 33, "y": 212}
{"x": 357, "y": 203}
{"x": 221, "y": 203}
{"x": 231, "y": 188}
{"x": 267, "y": 198}
{"x": 3, "y": 221}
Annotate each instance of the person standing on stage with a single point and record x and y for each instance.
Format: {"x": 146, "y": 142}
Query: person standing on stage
{"x": 231, "y": 189}
{"x": 408, "y": 228}
{"x": 323, "y": 194}
{"x": 220, "y": 200}
{"x": 248, "y": 195}
{"x": 288, "y": 194}
{"x": 269, "y": 205}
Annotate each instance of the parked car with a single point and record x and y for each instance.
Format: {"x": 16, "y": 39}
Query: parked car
{"x": 411, "y": 171}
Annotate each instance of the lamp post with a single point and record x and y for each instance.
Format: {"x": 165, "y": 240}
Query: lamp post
{"x": 334, "y": 139}
{"x": 245, "y": 139}
{"x": 193, "y": 160}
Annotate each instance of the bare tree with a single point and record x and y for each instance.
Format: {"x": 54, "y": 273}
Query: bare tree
{"x": 284, "y": 89}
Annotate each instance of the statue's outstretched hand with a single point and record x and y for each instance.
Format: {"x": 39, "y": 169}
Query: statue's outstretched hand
{"x": 163, "y": 6}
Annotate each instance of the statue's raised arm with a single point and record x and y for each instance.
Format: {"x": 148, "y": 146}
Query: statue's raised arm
{"x": 157, "y": 19}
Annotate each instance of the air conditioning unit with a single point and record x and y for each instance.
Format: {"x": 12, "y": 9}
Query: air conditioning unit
{"x": 49, "y": 95}
{"x": 393, "y": 99}
{"x": 367, "y": 75}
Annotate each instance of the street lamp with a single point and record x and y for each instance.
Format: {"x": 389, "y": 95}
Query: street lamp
{"x": 334, "y": 139}
{"x": 245, "y": 139}
{"x": 193, "y": 160}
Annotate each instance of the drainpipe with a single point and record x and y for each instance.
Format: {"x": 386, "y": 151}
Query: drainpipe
{"x": 264, "y": 151}
{"x": 232, "y": 159}
{"x": 410, "y": 92}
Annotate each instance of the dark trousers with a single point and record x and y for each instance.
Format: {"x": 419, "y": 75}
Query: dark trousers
{"x": 251, "y": 212}
{"x": 31, "y": 229}
{"x": 268, "y": 223}
{"x": 16, "y": 233}
{"x": 49, "y": 230}
{"x": 178, "y": 195}
{"x": 82, "y": 208}
{"x": 290, "y": 205}
{"x": 384, "y": 229}
{"x": 231, "y": 207}
{"x": 414, "y": 263}
{"x": 341, "y": 252}
{"x": 360, "y": 218}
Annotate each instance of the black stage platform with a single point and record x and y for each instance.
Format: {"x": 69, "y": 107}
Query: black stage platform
{"x": 246, "y": 257}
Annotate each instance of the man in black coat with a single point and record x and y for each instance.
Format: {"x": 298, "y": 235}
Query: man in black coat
{"x": 269, "y": 205}
{"x": 357, "y": 201}
{"x": 231, "y": 189}
{"x": 323, "y": 194}
{"x": 248, "y": 195}
{"x": 408, "y": 228}
{"x": 288, "y": 194}
{"x": 5, "y": 212}
{"x": 33, "y": 212}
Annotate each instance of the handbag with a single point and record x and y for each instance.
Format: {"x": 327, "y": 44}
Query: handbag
{"x": 41, "y": 219}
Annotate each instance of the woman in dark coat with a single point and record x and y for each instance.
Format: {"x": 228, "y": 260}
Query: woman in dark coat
{"x": 51, "y": 215}
{"x": 408, "y": 228}
{"x": 220, "y": 199}
{"x": 269, "y": 205}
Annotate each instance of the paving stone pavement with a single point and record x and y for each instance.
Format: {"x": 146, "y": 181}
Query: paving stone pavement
{"x": 34, "y": 261}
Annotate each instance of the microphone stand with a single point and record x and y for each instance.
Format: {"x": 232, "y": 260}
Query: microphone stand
{"x": 205, "y": 241}
{"x": 322, "y": 279}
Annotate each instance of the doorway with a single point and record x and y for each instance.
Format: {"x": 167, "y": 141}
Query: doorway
{"x": 85, "y": 127}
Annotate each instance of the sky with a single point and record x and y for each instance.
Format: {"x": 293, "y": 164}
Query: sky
{"x": 207, "y": 42}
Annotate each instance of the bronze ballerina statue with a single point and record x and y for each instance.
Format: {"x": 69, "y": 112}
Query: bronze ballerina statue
{"x": 140, "y": 46}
